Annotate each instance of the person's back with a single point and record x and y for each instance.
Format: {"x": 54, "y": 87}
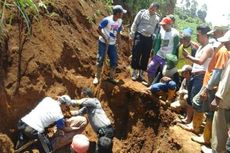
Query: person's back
{"x": 44, "y": 114}
{"x": 97, "y": 116}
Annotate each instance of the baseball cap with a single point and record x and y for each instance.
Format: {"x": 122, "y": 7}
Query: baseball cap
{"x": 218, "y": 27}
{"x": 225, "y": 38}
{"x": 204, "y": 29}
{"x": 119, "y": 8}
{"x": 187, "y": 32}
{"x": 65, "y": 99}
{"x": 185, "y": 68}
{"x": 166, "y": 20}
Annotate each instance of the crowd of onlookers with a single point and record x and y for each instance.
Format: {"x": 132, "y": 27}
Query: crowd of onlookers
{"x": 191, "y": 77}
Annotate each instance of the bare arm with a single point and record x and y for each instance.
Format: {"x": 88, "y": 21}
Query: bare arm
{"x": 206, "y": 54}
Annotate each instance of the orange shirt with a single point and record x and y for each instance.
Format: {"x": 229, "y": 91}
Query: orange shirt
{"x": 218, "y": 61}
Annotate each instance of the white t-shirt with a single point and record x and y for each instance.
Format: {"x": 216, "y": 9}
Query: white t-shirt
{"x": 167, "y": 44}
{"x": 110, "y": 28}
{"x": 47, "y": 112}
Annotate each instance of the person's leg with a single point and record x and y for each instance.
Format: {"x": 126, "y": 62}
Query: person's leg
{"x": 219, "y": 131}
{"x": 100, "y": 59}
{"x": 148, "y": 44}
{"x": 62, "y": 140}
{"x": 153, "y": 68}
{"x": 228, "y": 143}
{"x": 112, "y": 54}
{"x": 189, "y": 109}
{"x": 198, "y": 114}
{"x": 136, "y": 51}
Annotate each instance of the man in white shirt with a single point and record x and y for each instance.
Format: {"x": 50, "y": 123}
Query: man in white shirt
{"x": 46, "y": 113}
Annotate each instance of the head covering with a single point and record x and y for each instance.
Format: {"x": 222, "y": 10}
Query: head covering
{"x": 105, "y": 145}
{"x": 187, "y": 32}
{"x": 171, "y": 60}
{"x": 119, "y": 9}
{"x": 185, "y": 68}
{"x": 218, "y": 28}
{"x": 204, "y": 29}
{"x": 65, "y": 99}
{"x": 87, "y": 91}
{"x": 80, "y": 143}
{"x": 225, "y": 38}
{"x": 166, "y": 20}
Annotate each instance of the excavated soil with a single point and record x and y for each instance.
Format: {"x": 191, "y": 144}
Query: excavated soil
{"x": 59, "y": 58}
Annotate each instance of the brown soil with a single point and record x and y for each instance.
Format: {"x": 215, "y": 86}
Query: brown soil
{"x": 6, "y": 145}
{"x": 59, "y": 57}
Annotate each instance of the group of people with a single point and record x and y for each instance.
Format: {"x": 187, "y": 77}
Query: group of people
{"x": 198, "y": 74}
{"x": 50, "y": 112}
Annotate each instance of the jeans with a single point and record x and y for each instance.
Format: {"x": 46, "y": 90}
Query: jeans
{"x": 195, "y": 84}
{"x": 111, "y": 51}
{"x": 163, "y": 86}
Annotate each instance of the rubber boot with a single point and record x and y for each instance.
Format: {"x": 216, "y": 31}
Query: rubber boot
{"x": 206, "y": 136}
{"x": 195, "y": 125}
{"x": 197, "y": 121}
{"x": 208, "y": 131}
{"x": 171, "y": 95}
{"x": 97, "y": 75}
{"x": 112, "y": 75}
{"x": 206, "y": 149}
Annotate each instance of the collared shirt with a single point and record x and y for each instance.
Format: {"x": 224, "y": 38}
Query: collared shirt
{"x": 144, "y": 23}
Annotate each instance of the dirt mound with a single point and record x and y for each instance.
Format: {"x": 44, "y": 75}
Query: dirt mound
{"x": 6, "y": 145}
{"x": 59, "y": 57}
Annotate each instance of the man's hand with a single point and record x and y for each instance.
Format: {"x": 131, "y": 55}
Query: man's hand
{"x": 215, "y": 104}
{"x": 185, "y": 53}
{"x": 204, "y": 95}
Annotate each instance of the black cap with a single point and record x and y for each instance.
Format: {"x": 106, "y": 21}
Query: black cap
{"x": 204, "y": 29}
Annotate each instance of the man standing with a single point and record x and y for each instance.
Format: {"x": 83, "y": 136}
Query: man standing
{"x": 108, "y": 30}
{"x": 200, "y": 62}
{"x": 142, "y": 32}
{"x": 211, "y": 80}
{"x": 166, "y": 44}
{"x": 97, "y": 119}
{"x": 221, "y": 121}
{"x": 47, "y": 112}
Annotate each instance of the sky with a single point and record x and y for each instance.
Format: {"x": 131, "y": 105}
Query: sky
{"x": 216, "y": 10}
